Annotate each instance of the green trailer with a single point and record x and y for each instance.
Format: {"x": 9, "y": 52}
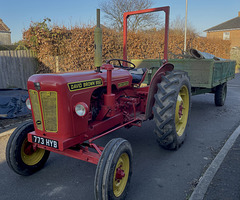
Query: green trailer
{"x": 206, "y": 75}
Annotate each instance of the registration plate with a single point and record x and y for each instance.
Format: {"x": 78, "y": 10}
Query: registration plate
{"x": 45, "y": 141}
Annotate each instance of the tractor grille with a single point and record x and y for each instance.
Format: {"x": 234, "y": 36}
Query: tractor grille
{"x": 49, "y": 110}
{"x": 36, "y": 108}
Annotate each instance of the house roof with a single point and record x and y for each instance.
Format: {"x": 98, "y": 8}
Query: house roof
{"x": 228, "y": 25}
{"x": 3, "y": 27}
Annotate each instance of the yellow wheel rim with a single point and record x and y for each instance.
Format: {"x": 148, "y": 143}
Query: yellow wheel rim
{"x": 121, "y": 174}
{"x": 29, "y": 155}
{"x": 182, "y": 109}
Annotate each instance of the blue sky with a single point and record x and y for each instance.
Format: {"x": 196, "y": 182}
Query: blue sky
{"x": 18, "y": 15}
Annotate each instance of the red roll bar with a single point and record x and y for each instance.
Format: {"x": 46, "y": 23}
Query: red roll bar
{"x": 127, "y": 14}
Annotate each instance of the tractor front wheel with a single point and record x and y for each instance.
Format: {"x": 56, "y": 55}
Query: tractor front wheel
{"x": 114, "y": 170}
{"x": 171, "y": 109}
{"x": 22, "y": 156}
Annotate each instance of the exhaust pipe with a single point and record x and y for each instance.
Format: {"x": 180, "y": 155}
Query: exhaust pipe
{"x": 98, "y": 42}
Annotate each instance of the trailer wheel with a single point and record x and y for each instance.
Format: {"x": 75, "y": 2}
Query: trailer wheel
{"x": 220, "y": 94}
{"x": 22, "y": 157}
{"x": 114, "y": 170}
{"x": 172, "y": 108}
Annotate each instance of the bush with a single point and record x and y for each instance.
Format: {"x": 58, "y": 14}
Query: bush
{"x": 62, "y": 49}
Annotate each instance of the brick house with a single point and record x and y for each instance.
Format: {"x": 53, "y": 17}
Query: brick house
{"x": 5, "y": 34}
{"x": 229, "y": 30}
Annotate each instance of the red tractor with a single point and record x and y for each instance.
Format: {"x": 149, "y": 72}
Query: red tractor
{"x": 72, "y": 110}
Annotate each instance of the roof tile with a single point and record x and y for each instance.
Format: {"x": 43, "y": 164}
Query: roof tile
{"x": 228, "y": 25}
{"x": 3, "y": 27}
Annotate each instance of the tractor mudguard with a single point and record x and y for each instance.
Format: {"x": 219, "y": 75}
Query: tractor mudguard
{"x": 153, "y": 87}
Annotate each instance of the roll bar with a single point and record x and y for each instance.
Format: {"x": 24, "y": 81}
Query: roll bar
{"x": 166, "y": 9}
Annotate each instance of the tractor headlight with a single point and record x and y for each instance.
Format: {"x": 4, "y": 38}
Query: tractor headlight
{"x": 28, "y": 104}
{"x": 81, "y": 109}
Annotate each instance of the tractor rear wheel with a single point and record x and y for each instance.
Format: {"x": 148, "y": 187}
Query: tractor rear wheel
{"x": 171, "y": 109}
{"x": 22, "y": 157}
{"x": 114, "y": 170}
{"x": 220, "y": 94}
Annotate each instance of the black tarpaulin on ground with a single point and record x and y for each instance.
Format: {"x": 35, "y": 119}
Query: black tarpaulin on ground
{"x": 13, "y": 103}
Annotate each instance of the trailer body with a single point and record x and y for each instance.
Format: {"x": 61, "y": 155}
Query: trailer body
{"x": 204, "y": 74}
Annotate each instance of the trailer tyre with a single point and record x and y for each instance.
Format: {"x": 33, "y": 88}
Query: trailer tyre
{"x": 220, "y": 94}
{"x": 171, "y": 109}
{"x": 22, "y": 157}
{"x": 114, "y": 170}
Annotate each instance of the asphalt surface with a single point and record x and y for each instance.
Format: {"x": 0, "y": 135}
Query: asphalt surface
{"x": 226, "y": 182}
{"x": 215, "y": 172}
{"x": 157, "y": 173}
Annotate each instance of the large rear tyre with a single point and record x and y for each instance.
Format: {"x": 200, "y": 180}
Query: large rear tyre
{"x": 114, "y": 171}
{"x": 220, "y": 94}
{"x": 171, "y": 109}
{"x": 22, "y": 156}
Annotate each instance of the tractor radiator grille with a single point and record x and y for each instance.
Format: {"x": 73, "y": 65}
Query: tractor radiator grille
{"x": 49, "y": 110}
{"x": 36, "y": 108}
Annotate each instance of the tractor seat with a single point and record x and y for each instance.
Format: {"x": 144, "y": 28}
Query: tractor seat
{"x": 137, "y": 74}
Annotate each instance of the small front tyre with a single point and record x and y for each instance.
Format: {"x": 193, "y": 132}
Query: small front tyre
{"x": 22, "y": 156}
{"x": 114, "y": 170}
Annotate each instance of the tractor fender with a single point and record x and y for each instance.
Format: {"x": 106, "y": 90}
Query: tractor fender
{"x": 157, "y": 78}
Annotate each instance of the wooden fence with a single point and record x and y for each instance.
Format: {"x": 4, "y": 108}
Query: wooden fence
{"x": 16, "y": 67}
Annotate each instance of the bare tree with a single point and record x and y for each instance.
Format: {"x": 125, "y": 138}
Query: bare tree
{"x": 114, "y": 10}
{"x": 178, "y": 26}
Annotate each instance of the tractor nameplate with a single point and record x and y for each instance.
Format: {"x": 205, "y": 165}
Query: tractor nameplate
{"x": 126, "y": 83}
{"x": 81, "y": 85}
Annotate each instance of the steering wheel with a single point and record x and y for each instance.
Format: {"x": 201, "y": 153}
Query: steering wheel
{"x": 120, "y": 64}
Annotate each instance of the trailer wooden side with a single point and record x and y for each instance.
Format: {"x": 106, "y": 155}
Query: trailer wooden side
{"x": 204, "y": 73}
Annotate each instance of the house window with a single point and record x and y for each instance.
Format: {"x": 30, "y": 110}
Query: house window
{"x": 226, "y": 36}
